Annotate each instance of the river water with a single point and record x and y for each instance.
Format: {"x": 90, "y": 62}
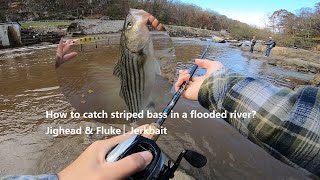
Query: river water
{"x": 30, "y": 86}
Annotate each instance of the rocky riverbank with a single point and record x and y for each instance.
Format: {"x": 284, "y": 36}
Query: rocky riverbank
{"x": 294, "y": 59}
{"x": 290, "y": 58}
{"x": 184, "y": 31}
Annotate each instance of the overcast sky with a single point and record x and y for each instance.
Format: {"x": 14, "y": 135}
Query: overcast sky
{"x": 253, "y": 12}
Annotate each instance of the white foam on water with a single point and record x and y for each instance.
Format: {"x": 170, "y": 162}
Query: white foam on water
{"x": 43, "y": 89}
{"x": 23, "y": 49}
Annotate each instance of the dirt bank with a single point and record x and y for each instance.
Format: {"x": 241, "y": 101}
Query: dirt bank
{"x": 97, "y": 26}
{"x": 290, "y": 58}
{"x": 183, "y": 31}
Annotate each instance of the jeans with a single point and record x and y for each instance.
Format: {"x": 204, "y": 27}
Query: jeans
{"x": 268, "y": 52}
{"x": 251, "y": 48}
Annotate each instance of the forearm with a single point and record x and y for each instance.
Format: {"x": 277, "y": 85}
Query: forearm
{"x": 285, "y": 121}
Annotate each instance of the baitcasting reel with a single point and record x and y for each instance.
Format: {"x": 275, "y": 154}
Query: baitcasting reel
{"x": 156, "y": 170}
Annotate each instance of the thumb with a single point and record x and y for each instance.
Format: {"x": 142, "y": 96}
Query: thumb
{"x": 204, "y": 63}
{"x": 131, "y": 164}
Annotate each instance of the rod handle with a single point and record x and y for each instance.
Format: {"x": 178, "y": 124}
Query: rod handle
{"x": 153, "y": 127}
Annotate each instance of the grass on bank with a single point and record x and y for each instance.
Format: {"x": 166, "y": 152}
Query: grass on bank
{"x": 40, "y": 23}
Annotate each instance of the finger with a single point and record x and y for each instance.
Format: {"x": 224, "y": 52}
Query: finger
{"x": 182, "y": 72}
{"x": 60, "y": 48}
{"x": 66, "y": 48}
{"x": 204, "y": 63}
{"x": 110, "y": 143}
{"x": 180, "y": 80}
{"x": 194, "y": 79}
{"x": 69, "y": 56}
{"x": 186, "y": 89}
{"x": 131, "y": 165}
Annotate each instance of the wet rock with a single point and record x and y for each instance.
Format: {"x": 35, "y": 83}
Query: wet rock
{"x": 316, "y": 80}
{"x": 272, "y": 62}
{"x": 203, "y": 39}
{"x": 237, "y": 44}
{"x": 302, "y": 69}
{"x": 313, "y": 70}
{"x": 218, "y": 39}
{"x": 232, "y": 40}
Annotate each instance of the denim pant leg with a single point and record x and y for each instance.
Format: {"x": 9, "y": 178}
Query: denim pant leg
{"x": 251, "y": 49}
{"x": 268, "y": 52}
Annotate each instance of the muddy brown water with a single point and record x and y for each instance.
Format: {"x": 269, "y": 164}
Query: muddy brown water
{"x": 29, "y": 86}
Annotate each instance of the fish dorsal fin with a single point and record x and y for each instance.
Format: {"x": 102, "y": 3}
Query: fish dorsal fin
{"x": 117, "y": 73}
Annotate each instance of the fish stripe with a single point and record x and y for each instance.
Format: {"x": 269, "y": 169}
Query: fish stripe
{"x": 132, "y": 84}
{"x": 128, "y": 100}
{"x": 124, "y": 92}
{"x": 140, "y": 83}
{"x": 137, "y": 92}
{"x": 133, "y": 99}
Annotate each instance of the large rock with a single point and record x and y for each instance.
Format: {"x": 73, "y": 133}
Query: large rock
{"x": 218, "y": 39}
{"x": 232, "y": 41}
{"x": 237, "y": 44}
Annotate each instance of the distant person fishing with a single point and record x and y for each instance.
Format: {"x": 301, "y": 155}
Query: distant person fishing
{"x": 270, "y": 44}
{"x": 253, "y": 43}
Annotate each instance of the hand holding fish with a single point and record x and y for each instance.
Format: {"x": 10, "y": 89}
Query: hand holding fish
{"x": 193, "y": 87}
{"x": 61, "y": 56}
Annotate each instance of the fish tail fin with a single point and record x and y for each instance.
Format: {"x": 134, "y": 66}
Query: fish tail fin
{"x": 158, "y": 70}
{"x": 151, "y": 106}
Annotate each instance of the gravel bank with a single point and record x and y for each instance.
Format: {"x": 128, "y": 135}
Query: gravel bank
{"x": 97, "y": 26}
{"x": 290, "y": 58}
{"x": 183, "y": 31}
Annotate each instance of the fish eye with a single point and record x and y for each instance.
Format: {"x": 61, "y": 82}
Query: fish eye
{"x": 129, "y": 25}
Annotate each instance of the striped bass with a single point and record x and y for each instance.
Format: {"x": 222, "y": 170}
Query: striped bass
{"x": 137, "y": 66}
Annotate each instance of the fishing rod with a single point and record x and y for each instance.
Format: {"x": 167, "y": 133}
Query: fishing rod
{"x": 157, "y": 170}
{"x": 178, "y": 94}
{"x": 167, "y": 110}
